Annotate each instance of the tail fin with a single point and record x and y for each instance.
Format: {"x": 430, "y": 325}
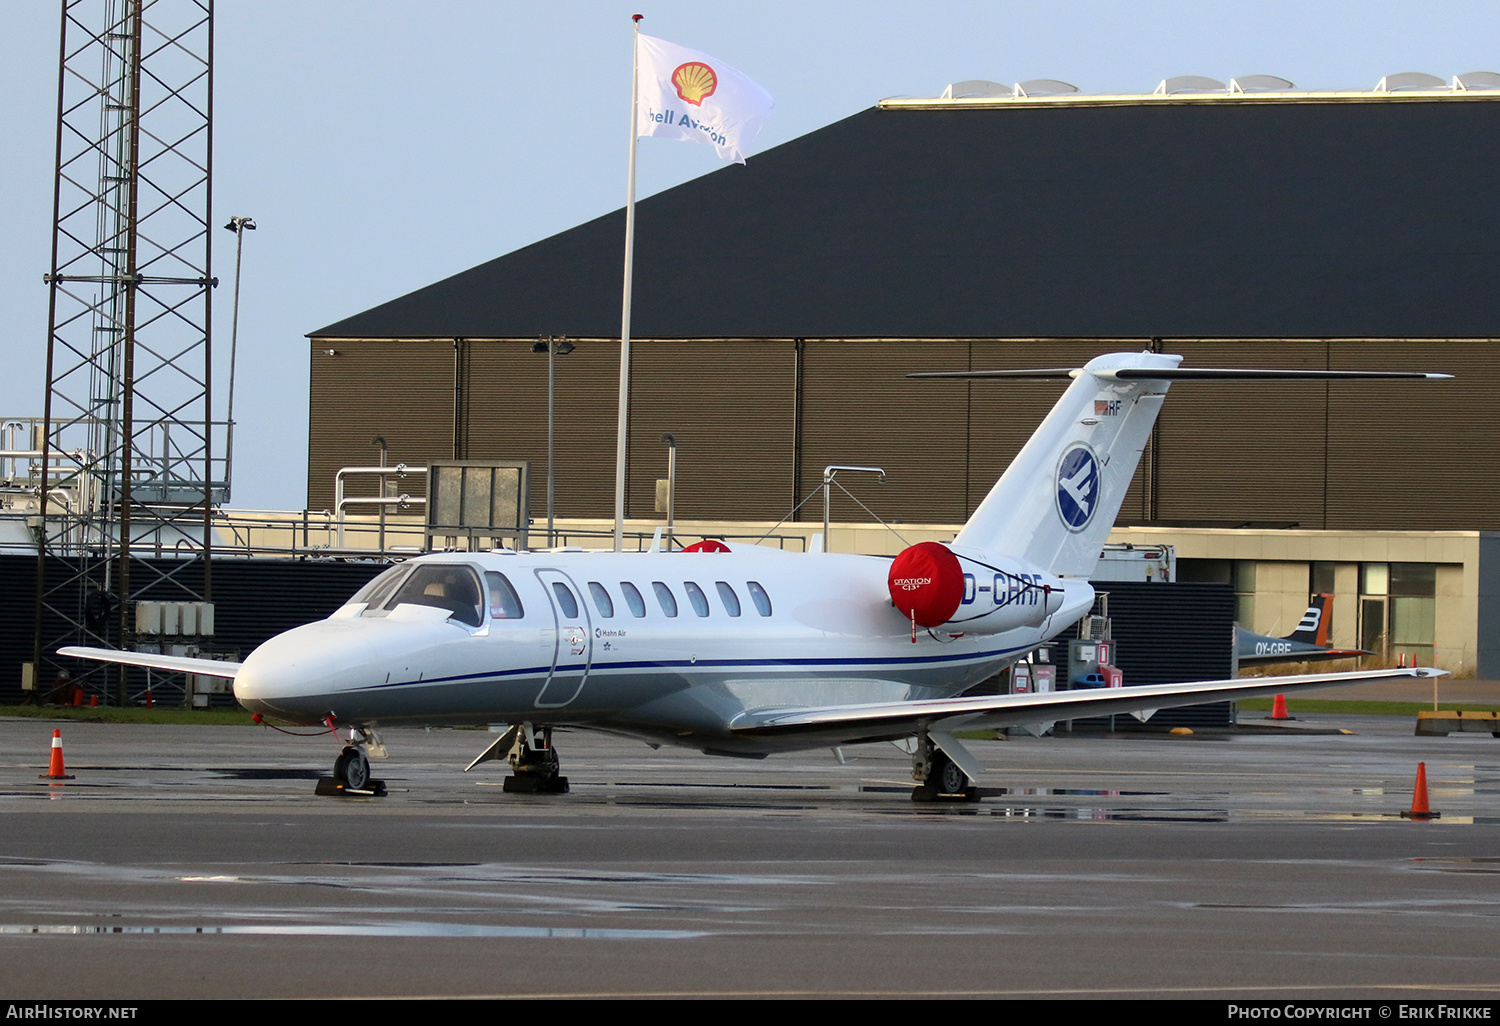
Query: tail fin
{"x": 1313, "y": 630}
{"x": 1057, "y": 501}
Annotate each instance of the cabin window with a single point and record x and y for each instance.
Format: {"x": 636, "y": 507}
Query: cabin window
{"x": 759, "y": 597}
{"x": 665, "y": 597}
{"x": 565, "y": 600}
{"x": 633, "y": 599}
{"x": 505, "y": 604}
{"x": 380, "y": 588}
{"x": 728, "y": 597}
{"x": 697, "y": 598}
{"x": 602, "y": 601}
{"x": 449, "y": 586}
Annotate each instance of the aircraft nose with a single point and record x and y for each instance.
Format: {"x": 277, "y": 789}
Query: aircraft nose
{"x": 295, "y": 675}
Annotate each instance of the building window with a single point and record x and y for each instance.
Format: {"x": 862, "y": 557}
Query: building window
{"x": 1398, "y": 609}
{"x": 1320, "y": 576}
{"x": 1244, "y": 592}
{"x": 1413, "y": 626}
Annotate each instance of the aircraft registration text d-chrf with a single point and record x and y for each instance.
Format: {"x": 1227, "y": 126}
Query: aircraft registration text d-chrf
{"x": 744, "y": 650}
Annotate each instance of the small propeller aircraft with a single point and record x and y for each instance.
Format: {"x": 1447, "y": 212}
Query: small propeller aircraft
{"x": 741, "y": 650}
{"x": 1308, "y": 643}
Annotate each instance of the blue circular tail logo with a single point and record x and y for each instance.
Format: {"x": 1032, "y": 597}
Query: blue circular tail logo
{"x": 1077, "y": 487}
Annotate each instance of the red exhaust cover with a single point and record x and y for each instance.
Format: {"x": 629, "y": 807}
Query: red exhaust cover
{"x": 927, "y": 584}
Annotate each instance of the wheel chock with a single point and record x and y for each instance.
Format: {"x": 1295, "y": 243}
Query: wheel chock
{"x": 530, "y": 783}
{"x": 327, "y": 787}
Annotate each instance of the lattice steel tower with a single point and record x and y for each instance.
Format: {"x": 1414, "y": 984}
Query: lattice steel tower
{"x": 129, "y": 465}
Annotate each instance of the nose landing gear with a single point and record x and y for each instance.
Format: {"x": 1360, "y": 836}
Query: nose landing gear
{"x": 351, "y": 770}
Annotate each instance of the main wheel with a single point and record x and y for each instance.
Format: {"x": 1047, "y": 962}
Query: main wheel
{"x": 951, "y": 779}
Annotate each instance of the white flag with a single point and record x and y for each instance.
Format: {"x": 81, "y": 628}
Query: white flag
{"x": 688, "y": 95}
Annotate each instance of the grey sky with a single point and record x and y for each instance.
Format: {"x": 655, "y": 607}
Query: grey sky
{"x": 382, "y": 146}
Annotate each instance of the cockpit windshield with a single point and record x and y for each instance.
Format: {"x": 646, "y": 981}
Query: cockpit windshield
{"x": 379, "y": 588}
{"x": 451, "y": 586}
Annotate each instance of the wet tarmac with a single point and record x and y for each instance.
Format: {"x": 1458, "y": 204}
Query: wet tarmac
{"x": 197, "y": 862}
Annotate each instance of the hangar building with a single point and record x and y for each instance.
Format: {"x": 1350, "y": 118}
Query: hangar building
{"x": 778, "y": 306}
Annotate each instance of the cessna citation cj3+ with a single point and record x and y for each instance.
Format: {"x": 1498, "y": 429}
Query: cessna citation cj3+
{"x": 743, "y": 650}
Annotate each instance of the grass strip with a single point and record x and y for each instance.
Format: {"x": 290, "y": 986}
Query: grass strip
{"x": 235, "y": 717}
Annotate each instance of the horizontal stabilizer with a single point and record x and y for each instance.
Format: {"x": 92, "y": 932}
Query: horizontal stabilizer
{"x": 1185, "y": 374}
{"x": 150, "y": 660}
{"x": 1040, "y": 374}
{"x": 1231, "y": 374}
{"x": 881, "y": 720}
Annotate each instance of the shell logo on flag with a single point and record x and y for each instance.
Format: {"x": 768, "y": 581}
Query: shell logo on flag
{"x": 688, "y": 95}
{"x": 695, "y": 82}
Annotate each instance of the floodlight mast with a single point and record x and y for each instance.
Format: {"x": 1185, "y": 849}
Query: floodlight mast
{"x": 239, "y": 225}
{"x": 127, "y": 433}
{"x": 553, "y": 347}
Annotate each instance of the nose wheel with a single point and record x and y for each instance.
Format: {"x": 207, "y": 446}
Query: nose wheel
{"x": 352, "y": 769}
{"x": 351, "y": 772}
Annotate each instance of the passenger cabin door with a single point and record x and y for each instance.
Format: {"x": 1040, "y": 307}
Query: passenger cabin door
{"x": 572, "y": 640}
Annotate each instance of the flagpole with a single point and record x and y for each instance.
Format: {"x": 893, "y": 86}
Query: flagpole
{"x": 622, "y": 427}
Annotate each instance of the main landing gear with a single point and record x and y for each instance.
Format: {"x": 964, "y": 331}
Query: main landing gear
{"x": 351, "y": 770}
{"x": 938, "y": 777}
{"x": 533, "y": 760}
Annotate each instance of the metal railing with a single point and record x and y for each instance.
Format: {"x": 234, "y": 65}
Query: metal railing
{"x": 321, "y": 534}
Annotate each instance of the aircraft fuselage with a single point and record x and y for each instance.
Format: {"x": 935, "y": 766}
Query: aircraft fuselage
{"x": 669, "y": 646}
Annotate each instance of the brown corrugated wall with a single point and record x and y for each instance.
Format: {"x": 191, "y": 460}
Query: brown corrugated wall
{"x": 1353, "y": 456}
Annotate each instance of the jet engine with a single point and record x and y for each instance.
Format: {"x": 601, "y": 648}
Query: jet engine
{"x": 927, "y": 583}
{"x": 933, "y": 586}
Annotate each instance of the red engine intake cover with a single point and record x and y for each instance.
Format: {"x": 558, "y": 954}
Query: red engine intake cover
{"x": 927, "y": 584}
{"x": 706, "y": 545}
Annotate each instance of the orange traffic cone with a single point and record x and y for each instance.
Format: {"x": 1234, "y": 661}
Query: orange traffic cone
{"x": 55, "y": 771}
{"x": 1278, "y": 708}
{"x": 1419, "y": 806}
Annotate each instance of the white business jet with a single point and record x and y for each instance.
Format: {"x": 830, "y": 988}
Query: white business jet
{"x": 742, "y": 650}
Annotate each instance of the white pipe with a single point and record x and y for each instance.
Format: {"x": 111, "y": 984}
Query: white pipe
{"x": 399, "y": 470}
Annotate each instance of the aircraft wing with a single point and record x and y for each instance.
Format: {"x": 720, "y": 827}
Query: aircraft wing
{"x": 178, "y": 664}
{"x": 849, "y": 724}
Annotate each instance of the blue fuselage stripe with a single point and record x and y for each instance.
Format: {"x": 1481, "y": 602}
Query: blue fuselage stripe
{"x": 742, "y": 664}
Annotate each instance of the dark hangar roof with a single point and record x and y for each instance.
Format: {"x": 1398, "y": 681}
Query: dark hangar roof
{"x": 1220, "y": 219}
